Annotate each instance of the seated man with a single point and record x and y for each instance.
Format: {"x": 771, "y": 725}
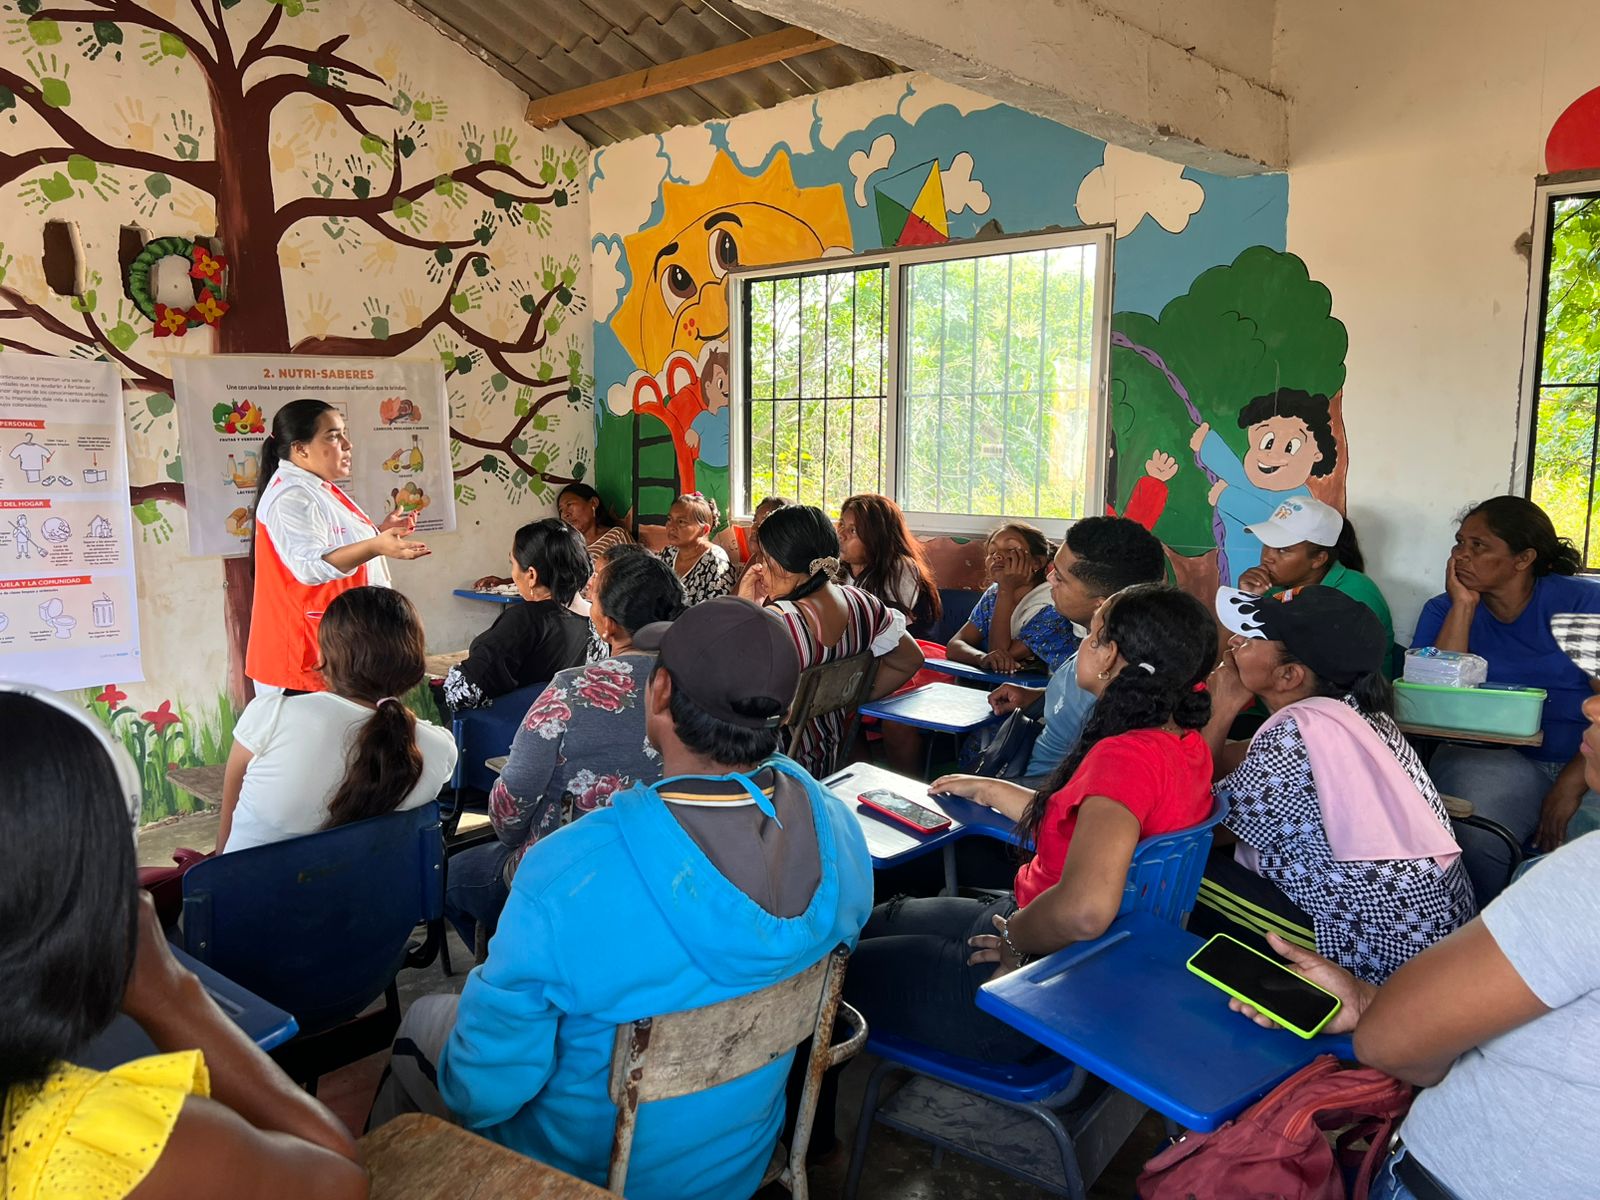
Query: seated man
{"x": 1100, "y": 556}
{"x": 736, "y": 871}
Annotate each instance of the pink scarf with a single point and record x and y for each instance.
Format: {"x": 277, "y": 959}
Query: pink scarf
{"x": 1371, "y": 809}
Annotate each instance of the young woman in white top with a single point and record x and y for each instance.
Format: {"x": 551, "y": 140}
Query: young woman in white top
{"x": 317, "y": 761}
{"x": 311, "y": 543}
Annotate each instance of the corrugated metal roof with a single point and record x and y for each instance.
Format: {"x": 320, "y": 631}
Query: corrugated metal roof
{"x": 549, "y": 46}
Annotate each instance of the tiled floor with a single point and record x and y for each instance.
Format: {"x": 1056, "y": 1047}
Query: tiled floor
{"x": 898, "y": 1167}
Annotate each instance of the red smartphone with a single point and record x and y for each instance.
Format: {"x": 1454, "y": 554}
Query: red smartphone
{"x": 907, "y": 812}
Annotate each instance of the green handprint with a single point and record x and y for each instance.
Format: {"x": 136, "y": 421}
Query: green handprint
{"x": 429, "y": 110}
{"x": 472, "y": 143}
{"x": 409, "y": 212}
{"x": 162, "y": 46}
{"x": 37, "y": 33}
{"x": 465, "y": 494}
{"x": 156, "y": 186}
{"x": 378, "y": 312}
{"x": 185, "y": 137}
{"x": 52, "y": 76}
{"x": 439, "y": 263}
{"x": 467, "y": 300}
{"x": 345, "y": 237}
{"x": 377, "y": 148}
{"x": 572, "y": 164}
{"x": 42, "y": 193}
{"x": 102, "y": 35}
{"x": 505, "y": 145}
{"x": 326, "y": 77}
{"x": 86, "y": 171}
{"x": 453, "y": 192}
{"x": 524, "y": 401}
{"x": 156, "y": 526}
{"x": 548, "y": 167}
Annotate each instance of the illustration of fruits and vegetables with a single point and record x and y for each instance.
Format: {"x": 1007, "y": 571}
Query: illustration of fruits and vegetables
{"x": 243, "y": 417}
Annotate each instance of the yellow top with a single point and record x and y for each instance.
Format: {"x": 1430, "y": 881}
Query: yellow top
{"x": 93, "y": 1135}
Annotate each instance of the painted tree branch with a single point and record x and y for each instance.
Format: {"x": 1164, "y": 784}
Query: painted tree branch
{"x": 143, "y": 376}
{"x": 166, "y": 490}
{"x": 126, "y": 12}
{"x": 504, "y": 447}
{"x": 271, "y": 92}
{"x": 395, "y": 343}
{"x": 472, "y": 176}
{"x": 91, "y": 335}
{"x": 255, "y": 45}
{"x": 325, "y": 56}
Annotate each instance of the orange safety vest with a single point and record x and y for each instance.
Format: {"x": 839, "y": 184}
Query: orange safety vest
{"x": 283, "y": 647}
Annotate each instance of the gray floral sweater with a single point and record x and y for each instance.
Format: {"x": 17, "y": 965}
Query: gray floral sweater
{"x": 582, "y": 740}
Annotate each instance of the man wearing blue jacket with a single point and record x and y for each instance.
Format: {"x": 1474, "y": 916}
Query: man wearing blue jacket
{"x": 735, "y": 871}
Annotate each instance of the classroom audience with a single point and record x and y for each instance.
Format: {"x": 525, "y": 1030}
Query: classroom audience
{"x": 827, "y": 620}
{"x": 1330, "y": 804}
{"x": 582, "y": 740}
{"x": 1017, "y": 605}
{"x": 79, "y": 943}
{"x": 583, "y": 510}
{"x": 1498, "y": 1023}
{"x": 742, "y": 872}
{"x": 1098, "y": 558}
{"x": 302, "y": 763}
{"x": 700, "y": 565}
{"x": 1508, "y": 574}
{"x": 885, "y": 558}
{"x": 529, "y": 642}
{"x": 1140, "y": 768}
{"x": 1306, "y": 542}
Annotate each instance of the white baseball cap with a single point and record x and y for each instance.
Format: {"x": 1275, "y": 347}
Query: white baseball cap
{"x": 1300, "y": 519}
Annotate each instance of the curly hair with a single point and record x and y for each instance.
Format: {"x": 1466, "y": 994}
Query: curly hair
{"x": 1316, "y": 412}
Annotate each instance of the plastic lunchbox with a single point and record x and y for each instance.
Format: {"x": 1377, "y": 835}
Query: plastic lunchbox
{"x": 1492, "y": 708}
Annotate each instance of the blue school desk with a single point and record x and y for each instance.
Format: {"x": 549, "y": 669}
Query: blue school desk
{"x": 486, "y": 597}
{"x": 962, "y": 672}
{"x": 937, "y": 707}
{"x": 265, "y": 1024}
{"x": 1126, "y": 1009}
{"x": 892, "y": 843}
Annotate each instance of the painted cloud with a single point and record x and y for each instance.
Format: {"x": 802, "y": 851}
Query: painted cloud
{"x": 1129, "y": 186}
{"x": 607, "y": 281}
{"x": 961, "y": 190}
{"x": 864, "y": 164}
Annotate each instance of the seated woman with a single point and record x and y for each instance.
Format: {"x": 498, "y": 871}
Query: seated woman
{"x": 752, "y": 565}
{"x": 586, "y": 514}
{"x": 885, "y": 559}
{"x": 1033, "y": 634}
{"x": 1306, "y": 542}
{"x": 828, "y": 620}
{"x": 1329, "y": 801}
{"x": 582, "y": 740}
{"x": 1141, "y": 768}
{"x": 1498, "y": 1023}
{"x": 528, "y": 642}
{"x": 1507, "y": 576}
{"x": 80, "y": 944}
{"x": 304, "y": 763}
{"x": 700, "y": 565}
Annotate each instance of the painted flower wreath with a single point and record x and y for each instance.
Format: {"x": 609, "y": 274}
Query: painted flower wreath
{"x": 207, "y": 268}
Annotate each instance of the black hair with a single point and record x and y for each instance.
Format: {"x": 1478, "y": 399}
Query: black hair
{"x": 1523, "y": 525}
{"x": 639, "y": 588}
{"x": 1372, "y": 692}
{"x": 295, "y": 422}
{"x": 1316, "y": 412}
{"x": 796, "y": 536}
{"x": 719, "y": 740}
{"x": 1034, "y": 539}
{"x": 603, "y": 517}
{"x": 1115, "y": 553}
{"x": 556, "y": 555}
{"x": 1346, "y": 551}
{"x": 892, "y": 549}
{"x": 1171, "y": 631}
{"x": 69, "y": 892}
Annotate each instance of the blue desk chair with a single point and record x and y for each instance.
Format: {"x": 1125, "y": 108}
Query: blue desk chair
{"x": 480, "y": 734}
{"x": 956, "y": 606}
{"x": 1023, "y": 1117}
{"x": 318, "y": 925}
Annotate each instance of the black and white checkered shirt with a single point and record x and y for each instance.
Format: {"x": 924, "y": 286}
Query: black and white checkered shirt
{"x": 1370, "y": 917}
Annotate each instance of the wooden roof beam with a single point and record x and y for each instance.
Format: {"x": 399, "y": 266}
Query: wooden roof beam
{"x": 681, "y": 73}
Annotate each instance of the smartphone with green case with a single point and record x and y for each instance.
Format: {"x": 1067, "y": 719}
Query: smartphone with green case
{"x": 1297, "y": 1004}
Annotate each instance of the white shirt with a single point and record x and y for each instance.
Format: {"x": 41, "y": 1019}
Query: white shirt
{"x": 305, "y": 519}
{"x": 301, "y": 745}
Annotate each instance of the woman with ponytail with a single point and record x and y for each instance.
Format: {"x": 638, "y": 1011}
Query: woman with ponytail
{"x": 828, "y": 619}
{"x": 278, "y": 783}
{"x": 1140, "y": 768}
{"x": 312, "y": 542}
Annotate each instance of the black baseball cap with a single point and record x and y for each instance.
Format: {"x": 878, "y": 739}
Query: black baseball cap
{"x": 724, "y": 650}
{"x": 1339, "y": 638}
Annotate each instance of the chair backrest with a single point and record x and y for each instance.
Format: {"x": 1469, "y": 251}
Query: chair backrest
{"x": 843, "y": 684}
{"x": 659, "y": 1058}
{"x": 483, "y": 733}
{"x": 1489, "y": 853}
{"x": 318, "y": 924}
{"x": 957, "y": 605}
{"x": 1165, "y": 875}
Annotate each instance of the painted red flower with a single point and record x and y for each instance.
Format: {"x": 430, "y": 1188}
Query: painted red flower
{"x": 207, "y": 266}
{"x": 171, "y": 322}
{"x": 208, "y": 308}
{"x": 161, "y": 718}
{"x": 606, "y": 689}
{"x": 111, "y": 697}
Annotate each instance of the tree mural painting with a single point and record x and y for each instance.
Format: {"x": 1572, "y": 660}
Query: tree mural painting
{"x": 1253, "y": 328}
{"x": 248, "y": 74}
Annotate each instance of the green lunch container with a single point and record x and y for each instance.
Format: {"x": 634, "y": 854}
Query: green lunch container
{"x": 1492, "y": 708}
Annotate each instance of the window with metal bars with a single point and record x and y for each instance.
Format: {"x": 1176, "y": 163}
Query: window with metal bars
{"x": 1563, "y": 374}
{"x": 964, "y": 380}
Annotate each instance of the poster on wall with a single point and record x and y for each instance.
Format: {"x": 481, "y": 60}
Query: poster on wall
{"x": 69, "y": 611}
{"x": 395, "y": 411}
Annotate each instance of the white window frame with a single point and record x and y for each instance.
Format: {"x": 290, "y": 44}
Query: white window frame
{"x": 1546, "y": 189}
{"x": 1103, "y": 237}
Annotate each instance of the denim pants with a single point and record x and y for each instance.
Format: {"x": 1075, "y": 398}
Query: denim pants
{"x": 1386, "y": 1185}
{"x": 1507, "y": 787}
{"x": 475, "y": 889}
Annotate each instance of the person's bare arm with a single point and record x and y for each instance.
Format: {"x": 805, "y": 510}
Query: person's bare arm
{"x": 897, "y": 666}
{"x": 391, "y": 543}
{"x": 964, "y": 647}
{"x": 1006, "y": 798}
{"x": 1009, "y": 697}
{"x": 232, "y": 784}
{"x": 1455, "y": 633}
{"x": 1229, "y": 698}
{"x": 1085, "y": 900}
{"x": 1455, "y": 995}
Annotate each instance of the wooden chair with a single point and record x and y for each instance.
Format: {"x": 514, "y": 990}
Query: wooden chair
{"x": 658, "y": 1058}
{"x": 843, "y": 684}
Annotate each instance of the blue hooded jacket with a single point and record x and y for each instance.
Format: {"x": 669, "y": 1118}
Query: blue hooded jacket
{"x": 620, "y": 916}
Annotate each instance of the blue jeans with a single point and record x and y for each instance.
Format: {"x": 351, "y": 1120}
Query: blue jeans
{"x": 1507, "y": 787}
{"x": 475, "y": 889}
{"x": 1386, "y": 1184}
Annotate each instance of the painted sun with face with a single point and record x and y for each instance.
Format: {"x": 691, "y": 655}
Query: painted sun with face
{"x": 678, "y": 300}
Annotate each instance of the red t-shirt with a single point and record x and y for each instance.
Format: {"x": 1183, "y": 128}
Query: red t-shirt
{"x": 1163, "y": 779}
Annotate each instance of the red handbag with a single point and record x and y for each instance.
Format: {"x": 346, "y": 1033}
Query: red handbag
{"x": 1278, "y": 1149}
{"x": 165, "y": 884}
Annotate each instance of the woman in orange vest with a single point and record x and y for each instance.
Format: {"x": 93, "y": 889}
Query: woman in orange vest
{"x": 311, "y": 543}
